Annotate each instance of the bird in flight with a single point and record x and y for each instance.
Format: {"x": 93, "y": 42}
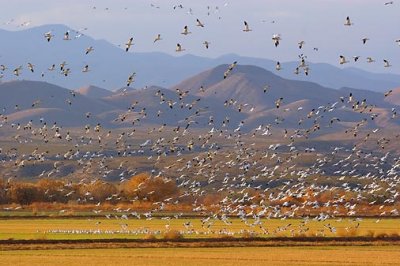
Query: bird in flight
{"x": 131, "y": 79}
{"x": 386, "y": 63}
{"x": 348, "y": 21}
{"x": 157, "y": 38}
{"x": 276, "y": 38}
{"x": 48, "y": 36}
{"x": 246, "y": 27}
{"x": 89, "y": 49}
{"x": 199, "y": 23}
{"x": 186, "y": 31}
{"x": 179, "y": 48}
{"x": 128, "y": 44}
{"x": 206, "y": 44}
{"x": 342, "y": 60}
{"x": 278, "y": 66}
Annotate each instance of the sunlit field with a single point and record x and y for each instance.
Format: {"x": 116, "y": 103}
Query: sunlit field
{"x": 103, "y": 228}
{"x": 386, "y": 255}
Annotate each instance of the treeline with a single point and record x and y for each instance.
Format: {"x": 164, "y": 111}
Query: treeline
{"x": 140, "y": 187}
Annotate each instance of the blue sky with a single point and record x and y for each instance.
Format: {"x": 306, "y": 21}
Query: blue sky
{"x": 320, "y": 23}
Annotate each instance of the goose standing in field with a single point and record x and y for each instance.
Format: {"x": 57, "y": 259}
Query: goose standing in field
{"x": 386, "y": 63}
{"x": 157, "y": 38}
{"x": 128, "y": 44}
{"x": 342, "y": 60}
{"x": 186, "y": 31}
{"x": 179, "y": 48}
{"x": 348, "y": 21}
{"x": 131, "y": 79}
{"x": 246, "y": 27}
{"x": 199, "y": 24}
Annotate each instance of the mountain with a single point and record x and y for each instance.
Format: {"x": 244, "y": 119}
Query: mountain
{"x": 245, "y": 87}
{"x": 110, "y": 66}
{"x": 22, "y": 101}
{"x": 206, "y": 100}
{"x": 94, "y": 92}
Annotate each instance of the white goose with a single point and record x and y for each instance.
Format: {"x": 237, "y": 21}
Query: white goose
{"x": 179, "y": 48}
{"x": 157, "y": 38}
{"x": 348, "y": 21}
{"x": 342, "y": 60}
{"x": 185, "y": 31}
{"x": 246, "y": 27}
{"x": 128, "y": 44}
{"x": 386, "y": 63}
{"x": 199, "y": 23}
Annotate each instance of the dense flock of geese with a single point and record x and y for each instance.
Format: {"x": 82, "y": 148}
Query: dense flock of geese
{"x": 275, "y": 172}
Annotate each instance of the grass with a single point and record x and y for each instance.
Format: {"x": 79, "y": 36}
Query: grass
{"x": 333, "y": 255}
{"x": 85, "y": 228}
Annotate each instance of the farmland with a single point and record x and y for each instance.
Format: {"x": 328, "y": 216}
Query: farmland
{"x": 332, "y": 255}
{"x": 190, "y": 228}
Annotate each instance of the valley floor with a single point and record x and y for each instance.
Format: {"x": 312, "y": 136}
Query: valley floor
{"x": 327, "y": 255}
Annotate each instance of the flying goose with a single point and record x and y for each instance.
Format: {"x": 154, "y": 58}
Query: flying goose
{"x": 66, "y": 36}
{"x": 128, "y": 44}
{"x": 278, "y": 66}
{"x": 131, "y": 79}
{"x": 348, "y": 21}
{"x": 388, "y": 93}
{"x": 89, "y": 49}
{"x": 370, "y": 60}
{"x": 179, "y": 48}
{"x": 17, "y": 71}
{"x": 85, "y": 69}
{"x": 246, "y": 27}
{"x": 356, "y": 58}
{"x": 206, "y": 44}
{"x": 185, "y": 31}
{"x": 386, "y": 63}
{"x": 342, "y": 60}
{"x": 157, "y": 38}
{"x": 48, "y": 36}
{"x": 199, "y": 24}
{"x": 30, "y": 66}
{"x": 301, "y": 43}
{"x": 276, "y": 38}
{"x": 364, "y": 40}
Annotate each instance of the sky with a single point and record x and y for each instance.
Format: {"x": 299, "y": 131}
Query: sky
{"x": 319, "y": 23}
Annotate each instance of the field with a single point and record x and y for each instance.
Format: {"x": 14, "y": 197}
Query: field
{"x": 190, "y": 228}
{"x": 332, "y": 255}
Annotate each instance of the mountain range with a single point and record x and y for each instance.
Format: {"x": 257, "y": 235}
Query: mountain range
{"x": 110, "y": 66}
{"x": 248, "y": 97}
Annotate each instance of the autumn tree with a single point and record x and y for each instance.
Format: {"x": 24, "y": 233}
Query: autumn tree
{"x": 145, "y": 187}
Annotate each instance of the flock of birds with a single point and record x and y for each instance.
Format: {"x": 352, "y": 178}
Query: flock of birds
{"x": 260, "y": 173}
